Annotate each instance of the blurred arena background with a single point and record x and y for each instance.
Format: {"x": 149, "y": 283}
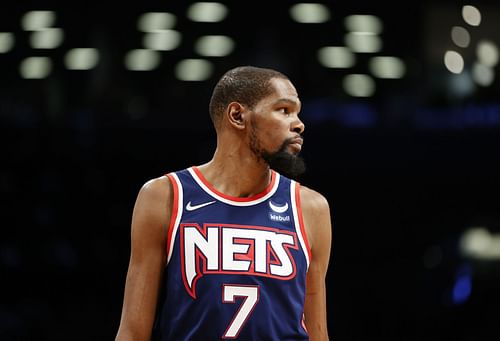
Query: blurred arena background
{"x": 401, "y": 102}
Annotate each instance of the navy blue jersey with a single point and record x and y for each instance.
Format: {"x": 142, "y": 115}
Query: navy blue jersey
{"x": 236, "y": 267}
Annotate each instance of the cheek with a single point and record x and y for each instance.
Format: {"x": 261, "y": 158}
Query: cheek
{"x": 270, "y": 133}
{"x": 273, "y": 139}
{"x": 273, "y": 126}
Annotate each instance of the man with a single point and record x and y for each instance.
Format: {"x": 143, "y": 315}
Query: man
{"x": 238, "y": 250}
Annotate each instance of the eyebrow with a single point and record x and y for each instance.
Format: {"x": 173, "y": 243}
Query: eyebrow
{"x": 289, "y": 101}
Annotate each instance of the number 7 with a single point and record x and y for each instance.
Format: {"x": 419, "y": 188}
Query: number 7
{"x": 251, "y": 297}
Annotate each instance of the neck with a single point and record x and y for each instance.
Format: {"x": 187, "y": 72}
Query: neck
{"x": 236, "y": 173}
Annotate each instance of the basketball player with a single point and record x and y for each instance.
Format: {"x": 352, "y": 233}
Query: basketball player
{"x": 233, "y": 249}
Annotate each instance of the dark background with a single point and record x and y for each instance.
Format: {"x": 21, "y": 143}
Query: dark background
{"x": 406, "y": 171}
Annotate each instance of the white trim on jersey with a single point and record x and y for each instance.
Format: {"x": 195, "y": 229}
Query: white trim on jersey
{"x": 296, "y": 221}
{"x": 180, "y": 203}
{"x": 233, "y": 202}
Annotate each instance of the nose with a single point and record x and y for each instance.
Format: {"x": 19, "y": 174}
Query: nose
{"x": 298, "y": 126}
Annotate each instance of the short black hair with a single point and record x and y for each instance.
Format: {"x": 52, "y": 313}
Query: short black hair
{"x": 244, "y": 84}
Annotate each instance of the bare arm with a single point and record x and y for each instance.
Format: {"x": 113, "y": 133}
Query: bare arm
{"x": 147, "y": 260}
{"x": 318, "y": 227}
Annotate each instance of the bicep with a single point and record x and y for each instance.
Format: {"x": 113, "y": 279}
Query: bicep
{"x": 147, "y": 260}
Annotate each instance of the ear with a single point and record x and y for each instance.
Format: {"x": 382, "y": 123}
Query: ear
{"x": 236, "y": 115}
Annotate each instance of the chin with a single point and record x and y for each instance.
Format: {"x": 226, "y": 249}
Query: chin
{"x": 294, "y": 149}
{"x": 289, "y": 164}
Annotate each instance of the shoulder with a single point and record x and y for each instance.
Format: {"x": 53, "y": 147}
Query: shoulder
{"x": 160, "y": 191}
{"x": 313, "y": 201}
{"x": 155, "y": 199}
{"x": 316, "y": 217}
{"x": 160, "y": 187}
{"x": 152, "y": 211}
{"x": 156, "y": 188}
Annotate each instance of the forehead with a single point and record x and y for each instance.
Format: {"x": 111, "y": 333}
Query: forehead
{"x": 283, "y": 88}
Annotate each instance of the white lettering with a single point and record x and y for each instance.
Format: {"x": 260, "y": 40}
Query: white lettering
{"x": 280, "y": 218}
{"x": 244, "y": 250}
{"x": 193, "y": 239}
{"x": 286, "y": 268}
{"x": 231, "y": 248}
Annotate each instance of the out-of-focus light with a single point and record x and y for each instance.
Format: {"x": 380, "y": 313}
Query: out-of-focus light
{"x": 35, "y": 67}
{"x": 193, "y": 70}
{"x": 454, "y": 61}
{"x": 214, "y": 46}
{"x": 336, "y": 57}
{"x": 153, "y": 21}
{"x": 363, "y": 42}
{"x": 38, "y": 20}
{"x": 309, "y": 13}
{"x": 479, "y": 243}
{"x": 359, "y": 85}
{"x": 487, "y": 53}
{"x": 49, "y": 38}
{"x": 6, "y": 42}
{"x": 363, "y": 23}
{"x": 462, "y": 289}
{"x": 142, "y": 60}
{"x": 162, "y": 40}
{"x": 482, "y": 74}
{"x": 387, "y": 67}
{"x": 460, "y": 85}
{"x": 460, "y": 36}
{"x": 81, "y": 59}
{"x": 207, "y": 12}
{"x": 471, "y": 15}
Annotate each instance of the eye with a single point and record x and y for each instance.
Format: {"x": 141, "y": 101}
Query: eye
{"x": 284, "y": 110}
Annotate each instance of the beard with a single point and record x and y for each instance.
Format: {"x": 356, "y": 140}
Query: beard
{"x": 282, "y": 161}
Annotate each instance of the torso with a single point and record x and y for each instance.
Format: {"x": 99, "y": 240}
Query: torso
{"x": 236, "y": 267}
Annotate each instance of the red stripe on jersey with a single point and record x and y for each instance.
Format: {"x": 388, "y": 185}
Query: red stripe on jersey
{"x": 301, "y": 221}
{"x": 229, "y": 197}
{"x": 173, "y": 214}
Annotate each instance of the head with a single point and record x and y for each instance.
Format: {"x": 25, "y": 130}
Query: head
{"x": 246, "y": 85}
{"x": 262, "y": 105}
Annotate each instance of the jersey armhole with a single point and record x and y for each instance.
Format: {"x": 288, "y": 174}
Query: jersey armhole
{"x": 299, "y": 222}
{"x": 175, "y": 214}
